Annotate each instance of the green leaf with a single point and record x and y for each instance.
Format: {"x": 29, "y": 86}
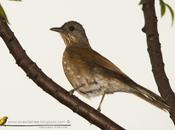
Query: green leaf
{"x": 3, "y": 14}
{"x": 171, "y": 12}
{"x": 162, "y": 8}
{"x": 141, "y": 2}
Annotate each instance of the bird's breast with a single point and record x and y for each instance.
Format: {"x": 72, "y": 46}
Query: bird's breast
{"x": 90, "y": 80}
{"x": 81, "y": 76}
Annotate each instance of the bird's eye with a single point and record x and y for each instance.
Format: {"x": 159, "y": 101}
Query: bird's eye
{"x": 71, "y": 28}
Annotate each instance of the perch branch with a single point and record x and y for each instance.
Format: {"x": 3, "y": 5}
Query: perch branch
{"x": 49, "y": 86}
{"x": 155, "y": 54}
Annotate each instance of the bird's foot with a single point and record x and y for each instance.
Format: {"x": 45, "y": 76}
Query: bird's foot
{"x": 99, "y": 109}
{"x": 71, "y": 92}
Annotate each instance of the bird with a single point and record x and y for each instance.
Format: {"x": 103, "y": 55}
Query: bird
{"x": 91, "y": 74}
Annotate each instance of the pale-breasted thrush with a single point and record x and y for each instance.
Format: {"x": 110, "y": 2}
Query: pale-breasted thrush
{"x": 91, "y": 74}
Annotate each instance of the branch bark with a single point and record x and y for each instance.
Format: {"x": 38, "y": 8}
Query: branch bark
{"x": 49, "y": 86}
{"x": 155, "y": 54}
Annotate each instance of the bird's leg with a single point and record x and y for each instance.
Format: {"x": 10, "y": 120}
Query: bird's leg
{"x": 74, "y": 89}
{"x": 99, "y": 107}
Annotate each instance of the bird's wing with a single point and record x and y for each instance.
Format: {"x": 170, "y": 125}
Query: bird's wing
{"x": 104, "y": 62}
{"x": 88, "y": 55}
{"x": 91, "y": 56}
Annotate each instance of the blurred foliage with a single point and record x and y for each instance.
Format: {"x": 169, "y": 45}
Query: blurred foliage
{"x": 3, "y": 14}
{"x": 142, "y": 2}
{"x": 163, "y": 7}
{"x": 3, "y": 120}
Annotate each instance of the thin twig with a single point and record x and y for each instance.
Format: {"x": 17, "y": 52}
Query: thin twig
{"x": 154, "y": 50}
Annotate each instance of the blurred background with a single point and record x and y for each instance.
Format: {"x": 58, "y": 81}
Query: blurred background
{"x": 114, "y": 30}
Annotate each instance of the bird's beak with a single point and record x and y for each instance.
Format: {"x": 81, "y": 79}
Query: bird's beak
{"x": 57, "y": 29}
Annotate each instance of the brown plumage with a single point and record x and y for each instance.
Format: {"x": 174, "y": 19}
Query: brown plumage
{"x": 91, "y": 74}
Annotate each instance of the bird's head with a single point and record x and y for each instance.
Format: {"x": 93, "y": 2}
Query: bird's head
{"x": 73, "y": 34}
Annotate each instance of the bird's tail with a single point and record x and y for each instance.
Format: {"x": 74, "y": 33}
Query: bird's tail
{"x": 151, "y": 97}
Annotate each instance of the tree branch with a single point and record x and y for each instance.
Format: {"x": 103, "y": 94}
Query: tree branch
{"x": 154, "y": 50}
{"x": 49, "y": 86}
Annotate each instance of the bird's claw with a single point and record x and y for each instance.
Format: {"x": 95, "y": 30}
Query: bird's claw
{"x": 71, "y": 92}
{"x": 99, "y": 109}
